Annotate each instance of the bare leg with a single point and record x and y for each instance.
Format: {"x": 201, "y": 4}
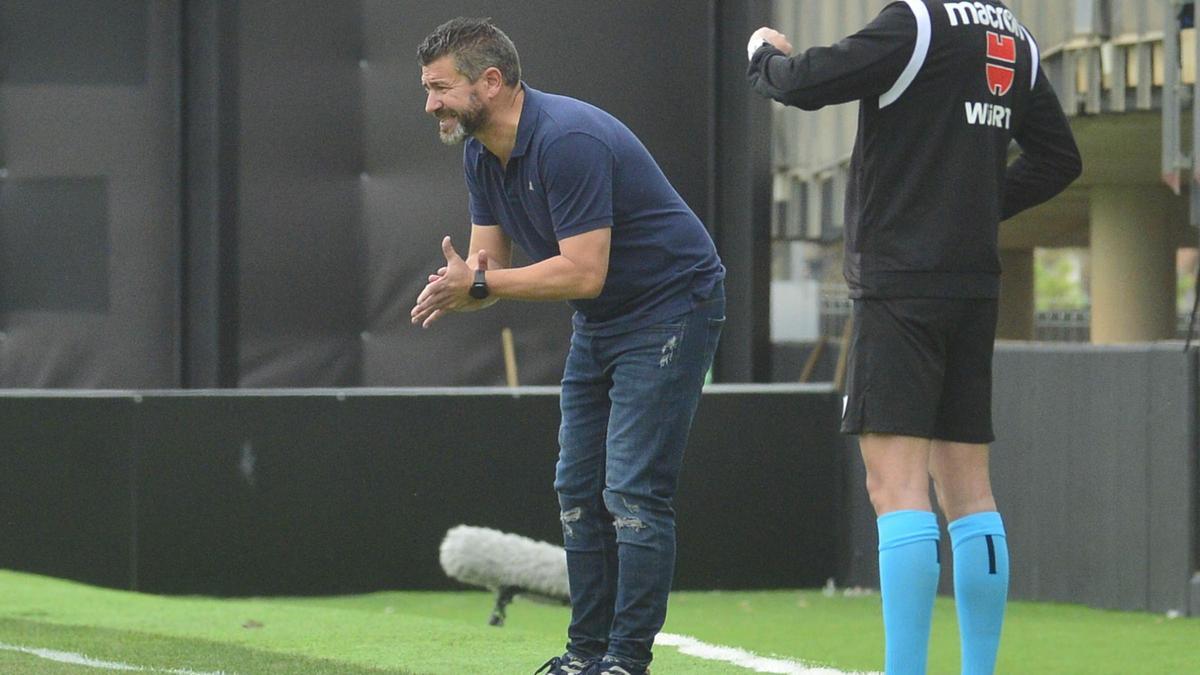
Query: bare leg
{"x": 898, "y": 482}
{"x": 898, "y": 469}
{"x": 961, "y": 478}
{"x": 960, "y": 475}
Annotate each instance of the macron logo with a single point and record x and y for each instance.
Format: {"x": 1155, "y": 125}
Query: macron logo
{"x": 978, "y": 13}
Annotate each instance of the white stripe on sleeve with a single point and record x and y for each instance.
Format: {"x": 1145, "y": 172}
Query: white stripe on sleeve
{"x": 924, "y": 34}
{"x": 1037, "y": 57}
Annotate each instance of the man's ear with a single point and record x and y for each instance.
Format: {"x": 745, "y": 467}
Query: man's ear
{"x": 493, "y": 80}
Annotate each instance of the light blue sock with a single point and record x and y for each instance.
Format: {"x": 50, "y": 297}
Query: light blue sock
{"x": 908, "y": 580}
{"x": 980, "y": 587}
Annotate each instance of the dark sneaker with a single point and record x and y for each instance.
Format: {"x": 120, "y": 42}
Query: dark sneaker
{"x": 610, "y": 666}
{"x": 567, "y": 664}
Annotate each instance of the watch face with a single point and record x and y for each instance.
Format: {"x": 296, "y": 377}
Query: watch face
{"x": 479, "y": 289}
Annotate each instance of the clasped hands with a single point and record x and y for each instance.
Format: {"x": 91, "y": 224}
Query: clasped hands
{"x": 448, "y": 289}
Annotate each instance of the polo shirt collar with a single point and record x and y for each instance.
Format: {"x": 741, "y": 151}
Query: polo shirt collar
{"x": 529, "y": 114}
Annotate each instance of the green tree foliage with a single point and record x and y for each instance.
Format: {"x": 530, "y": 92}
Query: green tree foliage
{"x": 1059, "y": 280}
{"x": 1185, "y": 281}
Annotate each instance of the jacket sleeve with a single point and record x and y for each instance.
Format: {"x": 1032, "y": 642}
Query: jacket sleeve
{"x": 1049, "y": 159}
{"x": 860, "y": 66}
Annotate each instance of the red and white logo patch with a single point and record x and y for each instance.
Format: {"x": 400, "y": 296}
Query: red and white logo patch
{"x": 1001, "y": 48}
{"x": 1000, "y": 79}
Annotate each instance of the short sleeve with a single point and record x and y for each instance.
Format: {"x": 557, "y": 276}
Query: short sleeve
{"x": 481, "y": 212}
{"x": 577, "y": 170}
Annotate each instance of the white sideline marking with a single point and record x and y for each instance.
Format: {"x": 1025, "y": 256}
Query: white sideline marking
{"x": 740, "y": 657}
{"x": 81, "y": 660}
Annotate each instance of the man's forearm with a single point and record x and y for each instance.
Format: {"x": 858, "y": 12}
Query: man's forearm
{"x": 861, "y": 65}
{"x": 557, "y": 278}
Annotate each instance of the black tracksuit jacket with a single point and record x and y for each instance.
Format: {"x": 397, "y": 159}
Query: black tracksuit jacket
{"x": 944, "y": 88}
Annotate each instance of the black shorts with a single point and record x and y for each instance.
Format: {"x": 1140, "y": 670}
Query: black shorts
{"x": 922, "y": 367}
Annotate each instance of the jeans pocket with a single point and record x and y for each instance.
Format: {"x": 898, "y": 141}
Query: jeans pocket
{"x": 715, "y": 324}
{"x": 665, "y": 328}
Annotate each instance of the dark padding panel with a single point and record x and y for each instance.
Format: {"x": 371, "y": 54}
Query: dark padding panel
{"x": 421, "y": 465}
{"x": 1172, "y": 474}
{"x": 316, "y": 492}
{"x": 759, "y": 498}
{"x": 66, "y": 498}
{"x": 54, "y": 244}
{"x": 241, "y": 496}
{"x": 73, "y": 41}
{"x": 89, "y": 194}
{"x": 301, "y": 247}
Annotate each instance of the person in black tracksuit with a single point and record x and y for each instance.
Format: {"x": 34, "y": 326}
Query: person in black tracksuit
{"x": 944, "y": 88}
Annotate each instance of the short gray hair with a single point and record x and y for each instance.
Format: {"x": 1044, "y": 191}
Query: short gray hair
{"x": 476, "y": 45}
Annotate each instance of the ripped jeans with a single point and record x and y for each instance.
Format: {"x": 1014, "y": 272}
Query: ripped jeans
{"x": 627, "y": 407}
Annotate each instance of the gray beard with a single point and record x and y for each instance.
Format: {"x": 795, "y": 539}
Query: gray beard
{"x": 468, "y": 123}
{"x": 455, "y": 137}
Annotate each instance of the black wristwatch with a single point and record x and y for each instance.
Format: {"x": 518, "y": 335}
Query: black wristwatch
{"x": 479, "y": 289}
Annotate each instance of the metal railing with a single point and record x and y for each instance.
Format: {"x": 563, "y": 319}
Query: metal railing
{"x": 1181, "y": 88}
{"x": 1074, "y": 325}
{"x": 1056, "y": 325}
{"x": 1063, "y": 325}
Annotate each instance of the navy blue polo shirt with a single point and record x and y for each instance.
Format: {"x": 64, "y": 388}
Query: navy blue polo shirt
{"x": 576, "y": 168}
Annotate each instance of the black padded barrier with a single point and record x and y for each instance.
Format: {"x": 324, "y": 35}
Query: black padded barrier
{"x": 66, "y": 494}
{"x": 324, "y": 491}
{"x": 327, "y": 491}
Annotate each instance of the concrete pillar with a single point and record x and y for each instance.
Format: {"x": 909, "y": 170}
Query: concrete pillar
{"x": 1133, "y": 264}
{"x": 1016, "y": 294}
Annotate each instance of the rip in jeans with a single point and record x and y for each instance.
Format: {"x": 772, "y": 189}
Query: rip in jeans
{"x": 570, "y": 516}
{"x": 632, "y": 522}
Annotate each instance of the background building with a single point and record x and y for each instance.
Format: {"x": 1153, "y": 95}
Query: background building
{"x": 1125, "y": 71}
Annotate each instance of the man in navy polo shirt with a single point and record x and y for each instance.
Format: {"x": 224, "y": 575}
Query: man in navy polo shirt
{"x": 581, "y": 196}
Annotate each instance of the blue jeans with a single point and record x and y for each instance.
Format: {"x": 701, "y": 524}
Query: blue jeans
{"x": 627, "y": 407}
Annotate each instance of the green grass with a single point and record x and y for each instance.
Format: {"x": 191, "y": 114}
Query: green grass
{"x": 417, "y": 633}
